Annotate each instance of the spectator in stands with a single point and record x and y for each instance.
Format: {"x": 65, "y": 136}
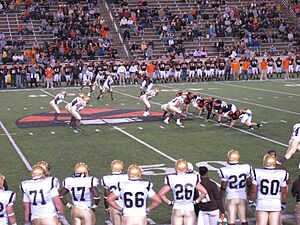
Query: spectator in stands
{"x": 126, "y": 35}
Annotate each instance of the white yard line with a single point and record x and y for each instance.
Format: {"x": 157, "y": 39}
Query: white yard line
{"x": 257, "y": 89}
{"x": 16, "y": 147}
{"x": 234, "y": 128}
{"x": 246, "y": 102}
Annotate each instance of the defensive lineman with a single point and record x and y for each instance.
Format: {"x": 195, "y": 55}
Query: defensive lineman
{"x": 82, "y": 187}
{"x": 134, "y": 194}
{"x": 183, "y": 186}
{"x": 270, "y": 191}
{"x": 235, "y": 178}
{"x": 110, "y": 183}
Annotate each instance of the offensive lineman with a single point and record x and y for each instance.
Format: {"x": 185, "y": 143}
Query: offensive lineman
{"x": 134, "y": 194}
{"x": 110, "y": 183}
{"x": 55, "y": 102}
{"x": 269, "y": 188}
{"x": 294, "y": 144}
{"x": 145, "y": 99}
{"x": 183, "y": 186}
{"x": 235, "y": 178}
{"x": 81, "y": 187}
{"x": 7, "y": 200}
{"x": 41, "y": 203}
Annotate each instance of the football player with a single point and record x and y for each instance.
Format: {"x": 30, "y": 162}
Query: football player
{"x": 110, "y": 183}
{"x": 183, "y": 186}
{"x": 82, "y": 187}
{"x": 75, "y": 109}
{"x": 72, "y": 103}
{"x": 46, "y": 167}
{"x": 269, "y": 188}
{"x": 246, "y": 118}
{"x": 7, "y": 200}
{"x": 107, "y": 87}
{"x": 55, "y": 102}
{"x": 41, "y": 202}
{"x": 146, "y": 85}
{"x": 134, "y": 194}
{"x": 224, "y": 111}
{"x": 294, "y": 144}
{"x": 236, "y": 182}
{"x": 174, "y": 107}
{"x": 145, "y": 99}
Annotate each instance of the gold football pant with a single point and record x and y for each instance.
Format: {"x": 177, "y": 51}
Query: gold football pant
{"x": 236, "y": 206}
{"x": 134, "y": 220}
{"x": 45, "y": 221}
{"x": 267, "y": 218}
{"x": 185, "y": 217}
{"x": 294, "y": 145}
{"x": 82, "y": 216}
{"x": 115, "y": 216}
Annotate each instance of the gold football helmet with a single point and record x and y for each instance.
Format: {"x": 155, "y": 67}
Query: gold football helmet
{"x": 45, "y": 166}
{"x": 233, "y": 157}
{"x": 156, "y": 90}
{"x": 269, "y": 161}
{"x": 81, "y": 95}
{"x": 37, "y": 172}
{"x": 134, "y": 172}
{"x": 117, "y": 166}
{"x": 181, "y": 166}
{"x": 63, "y": 93}
{"x": 81, "y": 168}
{"x": 86, "y": 98}
{"x": 2, "y": 180}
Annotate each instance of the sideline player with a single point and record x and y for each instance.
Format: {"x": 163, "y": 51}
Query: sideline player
{"x": 55, "y": 102}
{"x": 294, "y": 144}
{"x": 46, "y": 167}
{"x": 183, "y": 186}
{"x": 235, "y": 178}
{"x": 134, "y": 194}
{"x": 246, "y": 118}
{"x": 7, "y": 200}
{"x": 269, "y": 188}
{"x": 145, "y": 99}
{"x": 110, "y": 183}
{"x": 81, "y": 187}
{"x": 41, "y": 202}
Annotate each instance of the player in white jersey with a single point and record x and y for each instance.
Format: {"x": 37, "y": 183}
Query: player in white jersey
{"x": 41, "y": 202}
{"x": 245, "y": 115}
{"x": 75, "y": 110}
{"x": 59, "y": 98}
{"x": 110, "y": 183}
{"x": 145, "y": 99}
{"x": 235, "y": 179}
{"x": 107, "y": 87}
{"x": 72, "y": 103}
{"x": 173, "y": 107}
{"x": 83, "y": 189}
{"x": 294, "y": 143}
{"x": 183, "y": 186}
{"x": 7, "y": 200}
{"x": 134, "y": 194}
{"x": 46, "y": 167}
{"x": 269, "y": 188}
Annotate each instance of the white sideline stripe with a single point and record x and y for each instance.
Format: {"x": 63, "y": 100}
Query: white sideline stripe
{"x": 249, "y": 103}
{"x": 234, "y": 128}
{"x": 18, "y": 150}
{"x": 258, "y": 89}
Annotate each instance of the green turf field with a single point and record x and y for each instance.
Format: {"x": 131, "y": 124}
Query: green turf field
{"x": 276, "y": 103}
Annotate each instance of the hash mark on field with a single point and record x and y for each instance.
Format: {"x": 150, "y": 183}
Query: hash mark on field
{"x": 52, "y": 132}
{"x": 202, "y": 125}
{"x": 283, "y": 121}
{"x": 140, "y": 128}
{"x": 264, "y": 122}
{"x": 162, "y": 127}
{"x": 275, "y": 97}
{"x": 97, "y": 130}
{"x": 8, "y": 109}
{"x": 246, "y": 98}
{"x": 106, "y": 104}
{"x": 90, "y": 105}
{"x": 31, "y": 134}
{"x": 122, "y": 104}
{"x": 41, "y": 107}
{"x": 290, "y": 96}
{"x": 25, "y": 108}
{"x": 260, "y": 98}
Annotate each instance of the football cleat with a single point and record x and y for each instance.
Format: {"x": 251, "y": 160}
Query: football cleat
{"x": 81, "y": 168}
{"x": 233, "y": 157}
{"x": 117, "y": 166}
{"x": 45, "y": 166}
{"x": 2, "y": 180}
{"x": 259, "y": 125}
{"x": 166, "y": 121}
{"x": 269, "y": 161}
{"x": 37, "y": 172}
{"x": 181, "y": 166}
{"x": 134, "y": 172}
{"x": 145, "y": 114}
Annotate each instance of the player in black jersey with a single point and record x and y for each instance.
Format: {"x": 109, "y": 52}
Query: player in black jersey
{"x": 254, "y": 68}
{"x": 297, "y": 61}
{"x": 278, "y": 63}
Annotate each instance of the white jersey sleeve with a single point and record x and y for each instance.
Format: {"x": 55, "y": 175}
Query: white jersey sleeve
{"x": 150, "y": 94}
{"x": 296, "y": 132}
{"x": 39, "y": 193}
{"x": 183, "y": 188}
{"x": 7, "y": 198}
{"x": 176, "y": 101}
{"x": 110, "y": 182}
{"x": 236, "y": 176}
{"x": 79, "y": 188}
{"x": 134, "y": 195}
{"x": 269, "y": 183}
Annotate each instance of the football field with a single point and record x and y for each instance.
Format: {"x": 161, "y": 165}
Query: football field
{"x": 117, "y": 130}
